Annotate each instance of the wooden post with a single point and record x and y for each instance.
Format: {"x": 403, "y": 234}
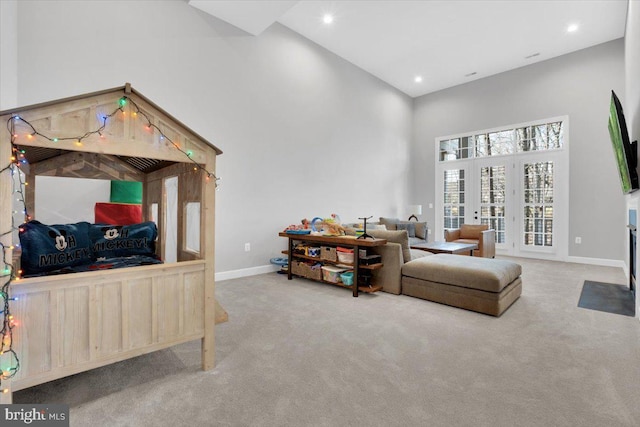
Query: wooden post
{"x": 208, "y": 209}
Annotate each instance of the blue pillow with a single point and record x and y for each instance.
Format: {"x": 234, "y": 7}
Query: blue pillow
{"x": 110, "y": 241}
{"x": 52, "y": 247}
{"x": 409, "y": 226}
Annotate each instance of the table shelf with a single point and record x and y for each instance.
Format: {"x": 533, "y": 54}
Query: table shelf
{"x": 375, "y": 266}
{"x": 335, "y": 241}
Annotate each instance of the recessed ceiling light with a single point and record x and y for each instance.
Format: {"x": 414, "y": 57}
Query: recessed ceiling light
{"x": 471, "y": 74}
{"x": 533, "y": 55}
{"x": 572, "y": 28}
{"x": 327, "y": 18}
{"x": 417, "y": 79}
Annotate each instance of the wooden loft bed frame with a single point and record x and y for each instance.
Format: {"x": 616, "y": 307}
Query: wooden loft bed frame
{"x": 71, "y": 323}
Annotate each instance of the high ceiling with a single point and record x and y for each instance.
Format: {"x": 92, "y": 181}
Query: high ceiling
{"x": 446, "y": 43}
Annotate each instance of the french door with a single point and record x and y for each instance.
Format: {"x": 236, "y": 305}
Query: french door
{"x": 519, "y": 192}
{"x": 478, "y": 192}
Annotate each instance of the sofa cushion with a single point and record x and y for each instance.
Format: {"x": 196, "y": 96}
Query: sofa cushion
{"x": 416, "y": 241}
{"x": 485, "y": 274}
{"x": 395, "y": 236}
{"x": 389, "y": 223}
{"x": 409, "y": 226}
{"x": 418, "y": 253}
{"x": 422, "y": 230}
{"x": 472, "y": 231}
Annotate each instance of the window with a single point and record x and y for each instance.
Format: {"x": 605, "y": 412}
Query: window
{"x": 456, "y": 148}
{"x": 192, "y": 216}
{"x": 495, "y": 143}
{"x": 538, "y": 137}
{"x": 541, "y": 137}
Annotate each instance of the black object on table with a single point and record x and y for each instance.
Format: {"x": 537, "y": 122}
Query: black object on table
{"x": 364, "y": 234}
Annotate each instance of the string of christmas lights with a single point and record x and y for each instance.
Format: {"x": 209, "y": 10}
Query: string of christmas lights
{"x": 9, "y": 361}
{"x": 10, "y": 369}
{"x": 122, "y": 103}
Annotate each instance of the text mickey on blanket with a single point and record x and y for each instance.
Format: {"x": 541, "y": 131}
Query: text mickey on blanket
{"x": 49, "y": 248}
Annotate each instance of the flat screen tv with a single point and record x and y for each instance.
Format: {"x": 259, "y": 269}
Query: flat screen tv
{"x": 625, "y": 151}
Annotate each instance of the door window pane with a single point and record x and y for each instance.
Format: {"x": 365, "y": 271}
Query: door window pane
{"x": 538, "y": 204}
{"x": 493, "y": 199}
{"x": 453, "y": 198}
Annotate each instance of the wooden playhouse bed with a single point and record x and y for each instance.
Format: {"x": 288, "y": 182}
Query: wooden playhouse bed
{"x": 71, "y": 323}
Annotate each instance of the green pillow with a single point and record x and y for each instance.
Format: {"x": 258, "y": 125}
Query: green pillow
{"x": 126, "y": 192}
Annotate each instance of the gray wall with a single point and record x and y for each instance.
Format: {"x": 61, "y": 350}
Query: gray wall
{"x": 304, "y": 133}
{"x": 632, "y": 101}
{"x": 632, "y": 70}
{"x": 9, "y": 50}
{"x": 577, "y": 85}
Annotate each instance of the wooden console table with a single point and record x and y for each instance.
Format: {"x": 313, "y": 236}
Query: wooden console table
{"x": 334, "y": 241}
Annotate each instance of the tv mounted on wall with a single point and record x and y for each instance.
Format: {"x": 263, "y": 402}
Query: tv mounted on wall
{"x": 626, "y": 152}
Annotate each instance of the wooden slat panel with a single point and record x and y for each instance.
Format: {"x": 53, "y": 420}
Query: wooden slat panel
{"x": 109, "y": 319}
{"x": 169, "y": 289}
{"x": 140, "y": 313}
{"x": 115, "y": 125}
{"x": 72, "y": 123}
{"x": 193, "y": 302}
{"x": 138, "y": 130}
{"x": 87, "y": 165}
{"x": 72, "y": 325}
{"x": 32, "y": 337}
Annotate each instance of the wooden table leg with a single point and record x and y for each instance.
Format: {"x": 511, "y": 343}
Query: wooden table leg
{"x": 290, "y": 258}
{"x": 356, "y": 264}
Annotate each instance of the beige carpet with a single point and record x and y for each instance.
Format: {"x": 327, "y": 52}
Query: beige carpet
{"x": 302, "y": 353}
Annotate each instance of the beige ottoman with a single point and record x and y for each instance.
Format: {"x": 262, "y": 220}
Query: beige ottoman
{"x": 484, "y": 285}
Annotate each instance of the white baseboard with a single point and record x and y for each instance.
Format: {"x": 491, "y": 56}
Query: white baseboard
{"x": 245, "y": 272}
{"x": 598, "y": 261}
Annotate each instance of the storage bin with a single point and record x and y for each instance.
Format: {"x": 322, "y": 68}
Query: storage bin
{"x": 328, "y": 253}
{"x": 298, "y": 268}
{"x": 347, "y": 278}
{"x": 314, "y": 272}
{"x": 345, "y": 255}
{"x": 331, "y": 273}
{"x": 306, "y": 269}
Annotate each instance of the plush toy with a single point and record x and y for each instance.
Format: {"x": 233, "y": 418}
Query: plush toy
{"x": 333, "y": 229}
{"x": 304, "y": 225}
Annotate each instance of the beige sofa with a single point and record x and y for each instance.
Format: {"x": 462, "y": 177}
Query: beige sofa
{"x": 394, "y": 255}
{"x": 484, "y": 285}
